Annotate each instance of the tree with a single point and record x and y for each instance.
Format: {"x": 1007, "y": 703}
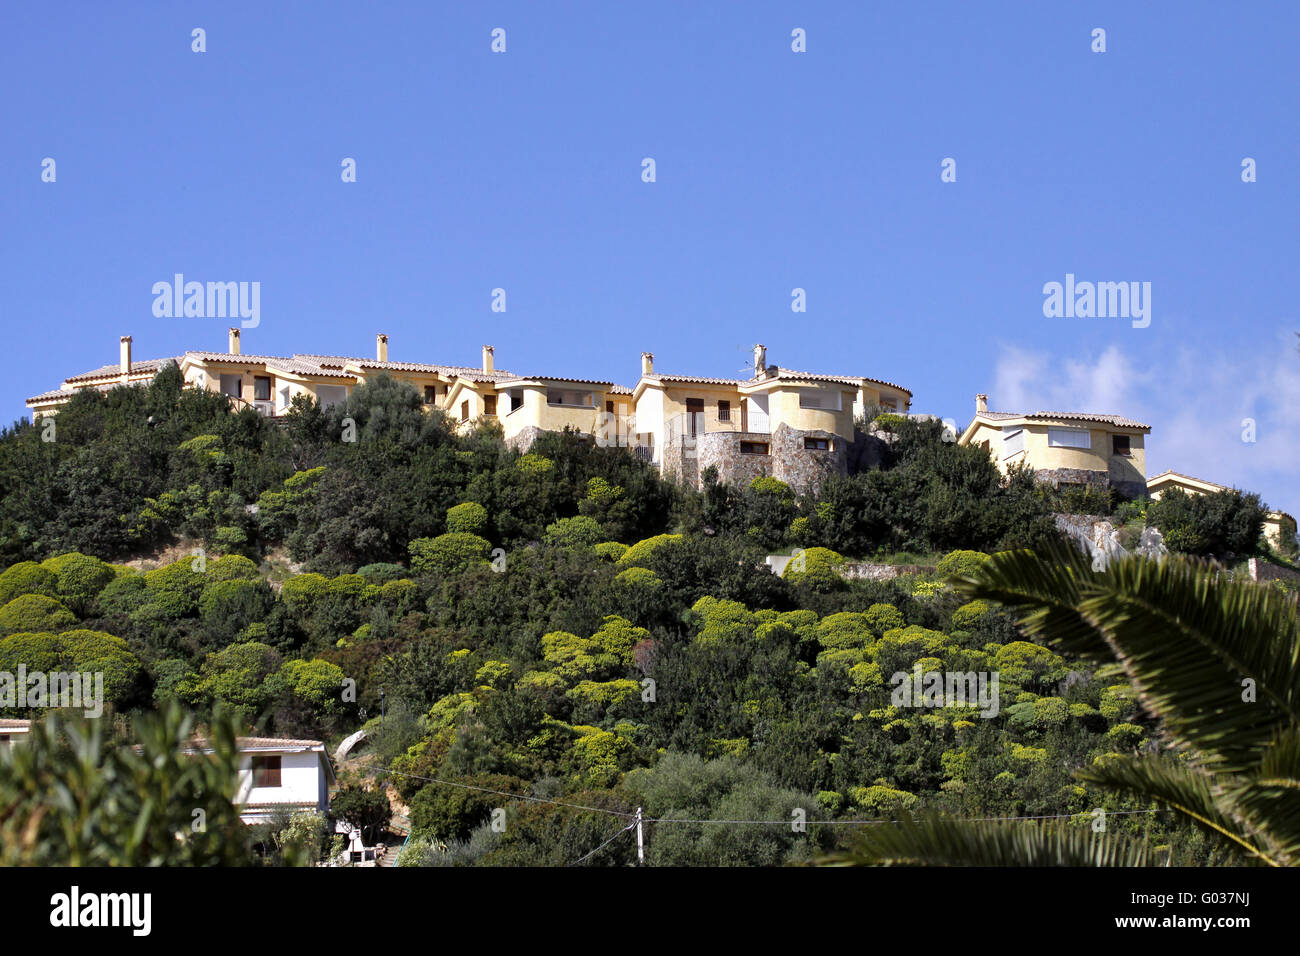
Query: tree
{"x": 71, "y": 797}
{"x": 367, "y": 810}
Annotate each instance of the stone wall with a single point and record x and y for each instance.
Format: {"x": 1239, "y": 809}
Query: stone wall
{"x": 1073, "y": 476}
{"x": 787, "y": 459}
{"x": 1263, "y": 571}
{"x": 801, "y": 468}
{"x": 882, "y": 572}
{"x": 721, "y": 450}
{"x": 523, "y": 440}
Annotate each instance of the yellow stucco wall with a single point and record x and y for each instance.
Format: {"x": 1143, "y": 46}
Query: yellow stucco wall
{"x": 1038, "y": 454}
{"x": 785, "y": 409}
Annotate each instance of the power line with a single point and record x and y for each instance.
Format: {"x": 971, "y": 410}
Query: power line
{"x": 587, "y": 856}
{"x": 516, "y": 796}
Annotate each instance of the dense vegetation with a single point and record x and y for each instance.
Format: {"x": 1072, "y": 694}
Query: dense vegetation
{"x": 561, "y": 624}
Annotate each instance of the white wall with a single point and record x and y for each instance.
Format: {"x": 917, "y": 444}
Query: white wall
{"x": 302, "y": 781}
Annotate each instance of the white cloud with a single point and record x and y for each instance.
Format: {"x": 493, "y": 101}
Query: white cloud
{"x": 1195, "y": 401}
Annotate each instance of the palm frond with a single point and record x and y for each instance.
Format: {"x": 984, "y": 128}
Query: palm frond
{"x": 944, "y": 841}
{"x": 1185, "y": 789}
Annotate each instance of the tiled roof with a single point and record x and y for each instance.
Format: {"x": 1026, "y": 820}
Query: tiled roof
{"x": 620, "y": 390}
{"x": 8, "y": 724}
{"x": 299, "y": 367}
{"x": 695, "y": 379}
{"x": 260, "y": 743}
{"x": 67, "y": 393}
{"x": 1118, "y": 421}
{"x": 552, "y": 378}
{"x": 235, "y": 357}
{"x": 786, "y": 373}
{"x": 778, "y": 373}
{"x": 146, "y": 365}
{"x": 1179, "y": 474}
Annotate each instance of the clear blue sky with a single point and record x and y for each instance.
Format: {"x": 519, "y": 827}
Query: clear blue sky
{"x": 775, "y": 170}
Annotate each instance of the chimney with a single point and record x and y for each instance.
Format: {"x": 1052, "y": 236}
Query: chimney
{"x": 233, "y": 347}
{"x": 489, "y": 364}
{"x": 760, "y": 360}
{"x": 381, "y": 347}
{"x": 126, "y": 355}
{"x": 647, "y": 363}
{"x": 981, "y": 403}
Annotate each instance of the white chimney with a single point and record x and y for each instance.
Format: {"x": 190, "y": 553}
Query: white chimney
{"x": 489, "y": 364}
{"x": 981, "y": 403}
{"x": 233, "y": 346}
{"x": 647, "y": 363}
{"x": 126, "y": 355}
{"x": 381, "y": 348}
{"x": 760, "y": 360}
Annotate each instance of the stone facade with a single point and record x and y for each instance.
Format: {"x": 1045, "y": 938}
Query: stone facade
{"x": 881, "y": 572}
{"x": 523, "y": 440}
{"x": 1073, "y": 476}
{"x": 787, "y": 459}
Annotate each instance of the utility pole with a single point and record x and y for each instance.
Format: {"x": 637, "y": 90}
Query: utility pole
{"x": 640, "y": 840}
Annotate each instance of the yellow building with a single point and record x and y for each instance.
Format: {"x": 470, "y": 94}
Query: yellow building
{"x": 1064, "y": 448}
{"x": 794, "y": 426}
{"x": 125, "y": 372}
{"x": 1277, "y": 524}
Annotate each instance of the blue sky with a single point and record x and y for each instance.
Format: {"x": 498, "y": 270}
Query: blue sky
{"x": 775, "y": 170}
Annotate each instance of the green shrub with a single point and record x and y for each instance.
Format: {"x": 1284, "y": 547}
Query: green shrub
{"x": 639, "y": 554}
{"x": 815, "y": 568}
{"x": 578, "y": 532}
{"x": 34, "y": 612}
{"x": 961, "y": 563}
{"x": 79, "y": 577}
{"x": 448, "y": 554}
{"x": 469, "y": 517}
{"x": 884, "y": 617}
{"x": 611, "y": 550}
{"x": 969, "y": 615}
{"x": 26, "y": 577}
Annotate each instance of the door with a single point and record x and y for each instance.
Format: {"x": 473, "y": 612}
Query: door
{"x": 694, "y": 416}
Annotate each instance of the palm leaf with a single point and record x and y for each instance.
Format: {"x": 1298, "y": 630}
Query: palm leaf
{"x": 1185, "y": 789}
{"x": 1186, "y": 640}
{"x": 943, "y": 841}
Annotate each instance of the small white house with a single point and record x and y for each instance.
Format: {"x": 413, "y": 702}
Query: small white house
{"x": 12, "y": 731}
{"x": 277, "y": 773}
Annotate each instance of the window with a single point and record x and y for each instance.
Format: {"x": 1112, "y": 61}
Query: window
{"x": 753, "y": 448}
{"x": 1068, "y": 438}
{"x": 1013, "y": 442}
{"x": 516, "y": 399}
{"x": 261, "y": 388}
{"x": 819, "y": 398}
{"x": 266, "y": 771}
{"x": 489, "y": 405}
{"x": 724, "y": 411}
{"x": 609, "y": 407}
{"x": 556, "y": 396}
{"x": 1122, "y": 445}
{"x": 430, "y": 394}
{"x": 464, "y": 411}
{"x": 817, "y": 444}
